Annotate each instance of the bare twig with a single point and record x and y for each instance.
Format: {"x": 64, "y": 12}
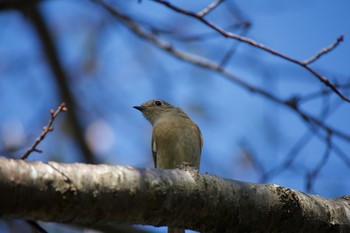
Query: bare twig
{"x": 341, "y": 154}
{"x": 196, "y": 60}
{"x": 301, "y": 143}
{"x": 290, "y": 157}
{"x": 195, "y": 37}
{"x": 324, "y": 51}
{"x": 323, "y": 92}
{"x": 313, "y": 174}
{"x": 228, "y": 55}
{"x": 208, "y": 64}
{"x": 48, "y": 128}
{"x": 47, "y": 41}
{"x": 247, "y": 151}
{"x": 209, "y": 8}
{"x": 226, "y": 34}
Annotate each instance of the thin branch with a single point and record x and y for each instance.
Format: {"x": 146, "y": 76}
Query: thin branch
{"x": 245, "y": 26}
{"x": 226, "y": 34}
{"x": 303, "y": 141}
{"x": 323, "y": 92}
{"x": 313, "y": 121}
{"x": 196, "y": 37}
{"x": 324, "y": 51}
{"x": 209, "y": 8}
{"x": 313, "y": 174}
{"x": 341, "y": 154}
{"x": 248, "y": 152}
{"x": 48, "y": 128}
{"x": 182, "y": 55}
{"x": 290, "y": 157}
{"x": 208, "y": 64}
{"x": 228, "y": 55}
{"x": 50, "y": 51}
{"x": 236, "y": 12}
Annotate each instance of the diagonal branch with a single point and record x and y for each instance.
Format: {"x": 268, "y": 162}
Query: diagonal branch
{"x": 209, "y": 8}
{"x": 48, "y": 128}
{"x": 311, "y": 177}
{"x": 324, "y": 51}
{"x": 226, "y": 34}
{"x": 208, "y": 64}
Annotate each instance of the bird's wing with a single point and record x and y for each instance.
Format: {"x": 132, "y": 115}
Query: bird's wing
{"x": 200, "y": 137}
{"x": 154, "y": 151}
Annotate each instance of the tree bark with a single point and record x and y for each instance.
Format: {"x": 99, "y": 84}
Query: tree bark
{"x": 98, "y": 194}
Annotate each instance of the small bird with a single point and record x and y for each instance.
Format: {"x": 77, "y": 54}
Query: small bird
{"x": 176, "y": 139}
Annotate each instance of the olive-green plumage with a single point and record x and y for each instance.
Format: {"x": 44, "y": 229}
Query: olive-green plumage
{"x": 176, "y": 139}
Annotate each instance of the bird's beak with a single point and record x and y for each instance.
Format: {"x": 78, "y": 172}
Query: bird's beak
{"x": 140, "y": 108}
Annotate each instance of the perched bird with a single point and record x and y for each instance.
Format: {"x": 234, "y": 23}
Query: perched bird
{"x": 176, "y": 139}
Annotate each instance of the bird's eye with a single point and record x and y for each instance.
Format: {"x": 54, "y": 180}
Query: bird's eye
{"x": 158, "y": 103}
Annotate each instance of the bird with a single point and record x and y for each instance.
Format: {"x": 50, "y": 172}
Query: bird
{"x": 176, "y": 139}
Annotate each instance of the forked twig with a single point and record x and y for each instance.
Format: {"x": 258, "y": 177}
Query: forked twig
{"x": 209, "y": 8}
{"x": 48, "y": 128}
{"x": 324, "y": 51}
{"x": 251, "y": 42}
{"x": 293, "y": 104}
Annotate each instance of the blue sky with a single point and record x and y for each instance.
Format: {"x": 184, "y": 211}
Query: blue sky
{"x": 110, "y": 70}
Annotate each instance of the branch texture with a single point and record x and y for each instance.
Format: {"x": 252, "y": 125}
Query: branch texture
{"x": 95, "y": 194}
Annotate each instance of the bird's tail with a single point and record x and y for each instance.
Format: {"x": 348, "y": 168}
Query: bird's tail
{"x": 176, "y": 230}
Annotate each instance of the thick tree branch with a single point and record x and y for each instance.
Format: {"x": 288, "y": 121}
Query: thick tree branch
{"x": 48, "y": 128}
{"x": 95, "y": 194}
